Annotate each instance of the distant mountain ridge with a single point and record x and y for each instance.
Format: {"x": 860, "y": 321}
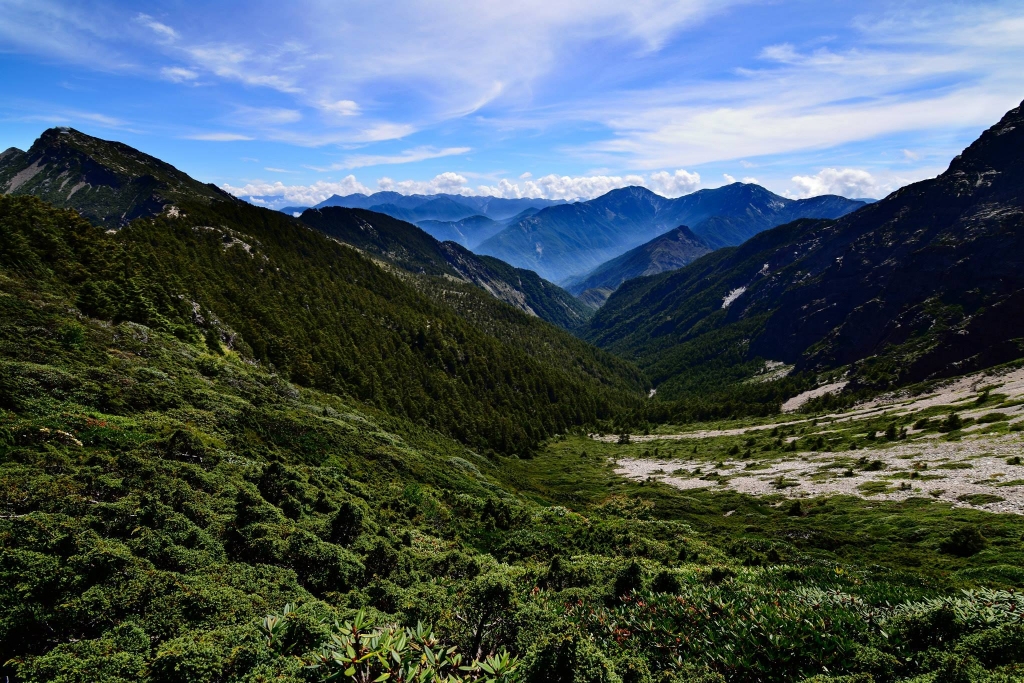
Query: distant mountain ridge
{"x": 927, "y": 282}
{"x": 572, "y": 239}
{"x": 440, "y": 207}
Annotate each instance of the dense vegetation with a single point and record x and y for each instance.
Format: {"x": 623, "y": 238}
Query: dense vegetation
{"x": 322, "y": 316}
{"x": 171, "y": 509}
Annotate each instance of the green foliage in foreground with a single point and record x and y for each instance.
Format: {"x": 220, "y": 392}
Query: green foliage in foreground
{"x": 163, "y": 499}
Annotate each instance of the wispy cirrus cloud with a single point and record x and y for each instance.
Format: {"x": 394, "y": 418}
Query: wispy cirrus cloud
{"x": 407, "y": 157}
{"x": 178, "y": 74}
{"x": 162, "y": 30}
{"x": 218, "y": 137}
{"x": 823, "y": 97}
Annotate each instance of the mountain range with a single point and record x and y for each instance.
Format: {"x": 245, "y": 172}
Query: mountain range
{"x": 926, "y": 283}
{"x": 112, "y": 184}
{"x": 570, "y": 240}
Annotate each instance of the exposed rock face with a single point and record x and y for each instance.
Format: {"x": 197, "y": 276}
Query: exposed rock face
{"x": 926, "y": 282}
{"x": 109, "y": 183}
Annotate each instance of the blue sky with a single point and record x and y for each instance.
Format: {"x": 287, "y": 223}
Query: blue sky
{"x": 288, "y": 102}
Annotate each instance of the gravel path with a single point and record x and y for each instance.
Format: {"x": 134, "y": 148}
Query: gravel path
{"x": 947, "y": 471}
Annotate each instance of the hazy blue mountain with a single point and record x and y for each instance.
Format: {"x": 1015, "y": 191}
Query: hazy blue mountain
{"x": 669, "y": 251}
{"x": 440, "y": 209}
{"x": 573, "y": 239}
{"x": 438, "y": 206}
{"x": 928, "y": 282}
{"x": 469, "y": 232}
{"x": 293, "y": 210}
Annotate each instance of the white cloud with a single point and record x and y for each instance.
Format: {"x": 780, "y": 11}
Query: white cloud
{"x": 264, "y": 116}
{"x": 177, "y": 74}
{"x": 547, "y": 187}
{"x": 406, "y": 157}
{"x": 235, "y": 62}
{"x": 162, "y": 30}
{"x": 917, "y": 74}
{"x": 218, "y": 137}
{"x": 751, "y": 180}
{"x": 728, "y": 178}
{"x": 384, "y": 131}
{"x": 448, "y": 183}
{"x": 674, "y": 184}
{"x": 279, "y": 194}
{"x": 340, "y": 107}
{"x": 278, "y": 170}
{"x": 847, "y": 182}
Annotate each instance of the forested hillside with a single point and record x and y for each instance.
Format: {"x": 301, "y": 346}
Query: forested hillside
{"x": 321, "y": 315}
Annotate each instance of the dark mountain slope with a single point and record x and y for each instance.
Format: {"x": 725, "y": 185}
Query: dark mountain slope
{"x": 413, "y": 250}
{"x": 927, "y": 282}
{"x": 109, "y": 183}
{"x": 563, "y": 241}
{"x": 670, "y": 251}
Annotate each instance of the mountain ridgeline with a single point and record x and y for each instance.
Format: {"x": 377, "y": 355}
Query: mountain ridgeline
{"x": 109, "y": 183}
{"x": 416, "y": 252}
{"x": 926, "y": 283}
{"x": 571, "y": 240}
{"x": 267, "y": 287}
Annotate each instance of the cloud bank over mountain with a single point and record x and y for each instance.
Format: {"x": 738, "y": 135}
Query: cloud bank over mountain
{"x": 276, "y": 194}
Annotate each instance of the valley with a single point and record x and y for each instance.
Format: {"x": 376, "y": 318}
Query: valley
{"x": 242, "y": 445}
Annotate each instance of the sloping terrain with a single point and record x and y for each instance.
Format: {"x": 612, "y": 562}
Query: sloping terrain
{"x": 571, "y": 240}
{"x": 670, "y": 251}
{"x": 282, "y": 295}
{"x": 413, "y": 250}
{"x": 928, "y": 282}
{"x": 109, "y": 183}
{"x": 232, "y": 448}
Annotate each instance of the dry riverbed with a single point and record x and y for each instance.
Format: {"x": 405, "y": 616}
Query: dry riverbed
{"x": 983, "y": 471}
